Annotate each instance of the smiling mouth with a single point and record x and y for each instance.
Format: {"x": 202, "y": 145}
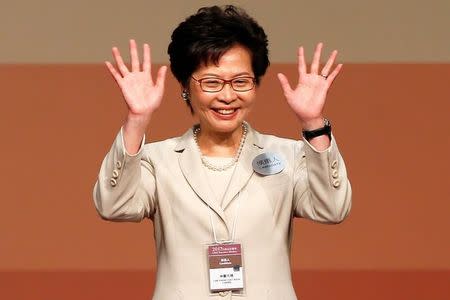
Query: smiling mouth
{"x": 225, "y": 112}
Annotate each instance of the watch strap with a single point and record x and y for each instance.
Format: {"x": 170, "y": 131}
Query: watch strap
{"x": 325, "y": 130}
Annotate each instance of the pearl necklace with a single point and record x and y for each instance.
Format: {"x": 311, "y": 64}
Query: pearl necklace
{"x": 213, "y": 167}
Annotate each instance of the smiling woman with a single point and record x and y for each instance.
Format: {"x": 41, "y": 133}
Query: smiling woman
{"x": 219, "y": 107}
{"x": 222, "y": 186}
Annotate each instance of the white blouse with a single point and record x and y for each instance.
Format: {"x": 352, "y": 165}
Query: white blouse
{"x": 218, "y": 181}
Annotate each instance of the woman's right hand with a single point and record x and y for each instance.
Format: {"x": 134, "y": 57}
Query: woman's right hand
{"x": 142, "y": 95}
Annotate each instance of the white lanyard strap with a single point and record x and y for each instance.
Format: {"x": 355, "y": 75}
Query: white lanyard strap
{"x": 233, "y": 231}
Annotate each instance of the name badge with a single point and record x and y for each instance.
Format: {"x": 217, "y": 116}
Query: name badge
{"x": 268, "y": 164}
{"x": 226, "y": 272}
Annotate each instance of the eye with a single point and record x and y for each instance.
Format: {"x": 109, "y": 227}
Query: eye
{"x": 211, "y": 82}
{"x": 242, "y": 81}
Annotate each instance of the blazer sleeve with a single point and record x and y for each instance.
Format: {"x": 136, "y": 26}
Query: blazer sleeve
{"x": 125, "y": 188}
{"x": 322, "y": 191}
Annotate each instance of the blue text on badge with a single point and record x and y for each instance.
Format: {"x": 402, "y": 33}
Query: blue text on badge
{"x": 268, "y": 164}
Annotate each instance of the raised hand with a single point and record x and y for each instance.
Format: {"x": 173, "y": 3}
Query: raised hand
{"x": 307, "y": 98}
{"x": 142, "y": 95}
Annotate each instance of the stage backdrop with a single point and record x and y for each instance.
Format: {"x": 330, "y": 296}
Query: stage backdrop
{"x": 390, "y": 122}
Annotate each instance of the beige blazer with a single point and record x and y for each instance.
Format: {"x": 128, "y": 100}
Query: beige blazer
{"x": 165, "y": 182}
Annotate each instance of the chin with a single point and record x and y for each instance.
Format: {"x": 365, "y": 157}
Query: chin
{"x": 226, "y": 123}
{"x": 226, "y": 127}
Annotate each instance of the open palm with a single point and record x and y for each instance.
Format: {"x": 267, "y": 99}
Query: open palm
{"x": 142, "y": 95}
{"x": 307, "y": 98}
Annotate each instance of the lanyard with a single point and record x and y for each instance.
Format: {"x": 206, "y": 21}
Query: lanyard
{"x": 233, "y": 231}
{"x": 213, "y": 228}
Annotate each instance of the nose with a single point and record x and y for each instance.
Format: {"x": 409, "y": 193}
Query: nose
{"x": 227, "y": 94}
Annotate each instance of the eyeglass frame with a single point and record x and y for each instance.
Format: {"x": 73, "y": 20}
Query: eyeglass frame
{"x": 224, "y": 82}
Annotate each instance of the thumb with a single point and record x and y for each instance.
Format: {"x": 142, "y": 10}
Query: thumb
{"x": 161, "y": 77}
{"x": 284, "y": 83}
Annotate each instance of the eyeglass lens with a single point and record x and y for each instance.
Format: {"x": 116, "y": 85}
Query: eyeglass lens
{"x": 240, "y": 84}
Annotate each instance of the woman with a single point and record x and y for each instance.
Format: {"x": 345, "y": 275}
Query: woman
{"x": 222, "y": 197}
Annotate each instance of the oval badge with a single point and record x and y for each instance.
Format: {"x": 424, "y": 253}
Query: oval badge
{"x": 268, "y": 164}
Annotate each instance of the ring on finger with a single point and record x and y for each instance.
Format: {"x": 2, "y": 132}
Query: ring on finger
{"x": 324, "y": 76}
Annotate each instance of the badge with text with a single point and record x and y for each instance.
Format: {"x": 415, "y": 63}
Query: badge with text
{"x": 226, "y": 272}
{"x": 268, "y": 164}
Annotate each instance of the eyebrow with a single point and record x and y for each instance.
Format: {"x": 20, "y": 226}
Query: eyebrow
{"x": 234, "y": 76}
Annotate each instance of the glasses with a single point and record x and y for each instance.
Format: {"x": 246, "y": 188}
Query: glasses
{"x": 213, "y": 84}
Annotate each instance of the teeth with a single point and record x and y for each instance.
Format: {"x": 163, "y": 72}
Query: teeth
{"x": 225, "y": 111}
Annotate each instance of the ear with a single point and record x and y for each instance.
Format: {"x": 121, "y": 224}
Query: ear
{"x": 185, "y": 95}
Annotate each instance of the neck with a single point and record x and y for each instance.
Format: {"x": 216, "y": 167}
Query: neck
{"x": 224, "y": 144}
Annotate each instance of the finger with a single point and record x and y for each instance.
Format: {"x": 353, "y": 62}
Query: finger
{"x": 134, "y": 56}
{"x": 333, "y": 74}
{"x": 146, "y": 64}
{"x": 113, "y": 72}
{"x": 316, "y": 59}
{"x": 301, "y": 61}
{"x": 284, "y": 84}
{"x": 119, "y": 61}
{"x": 161, "y": 77}
{"x": 326, "y": 69}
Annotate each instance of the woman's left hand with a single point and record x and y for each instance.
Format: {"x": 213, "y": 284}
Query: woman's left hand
{"x": 307, "y": 99}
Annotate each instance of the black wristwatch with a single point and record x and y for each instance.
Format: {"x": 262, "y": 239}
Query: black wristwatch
{"x": 326, "y": 129}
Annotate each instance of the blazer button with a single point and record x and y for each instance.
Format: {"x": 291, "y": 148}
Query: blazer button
{"x": 118, "y": 164}
{"x": 336, "y": 183}
{"x": 113, "y": 182}
{"x": 335, "y": 174}
{"x": 334, "y": 164}
{"x": 115, "y": 174}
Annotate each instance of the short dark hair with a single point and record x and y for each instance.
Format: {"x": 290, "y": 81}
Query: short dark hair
{"x": 205, "y": 36}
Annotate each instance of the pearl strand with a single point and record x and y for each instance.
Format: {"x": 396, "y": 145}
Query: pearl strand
{"x": 209, "y": 165}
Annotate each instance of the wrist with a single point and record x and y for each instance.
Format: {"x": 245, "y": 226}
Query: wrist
{"x": 323, "y": 130}
{"x": 136, "y": 126}
{"x": 313, "y": 124}
{"x": 137, "y": 121}
{"x": 133, "y": 134}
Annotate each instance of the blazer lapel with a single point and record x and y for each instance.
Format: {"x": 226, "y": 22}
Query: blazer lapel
{"x": 244, "y": 169}
{"x": 192, "y": 169}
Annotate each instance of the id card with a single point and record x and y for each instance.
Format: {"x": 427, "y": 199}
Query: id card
{"x": 226, "y": 272}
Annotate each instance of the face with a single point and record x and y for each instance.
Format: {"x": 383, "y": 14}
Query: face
{"x": 223, "y": 111}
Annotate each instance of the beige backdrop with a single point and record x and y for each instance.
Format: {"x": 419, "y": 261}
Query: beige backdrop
{"x": 67, "y": 31}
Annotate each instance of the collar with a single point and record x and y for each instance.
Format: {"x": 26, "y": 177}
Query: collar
{"x": 253, "y": 138}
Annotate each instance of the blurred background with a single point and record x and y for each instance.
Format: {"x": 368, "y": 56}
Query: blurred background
{"x": 389, "y": 109}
